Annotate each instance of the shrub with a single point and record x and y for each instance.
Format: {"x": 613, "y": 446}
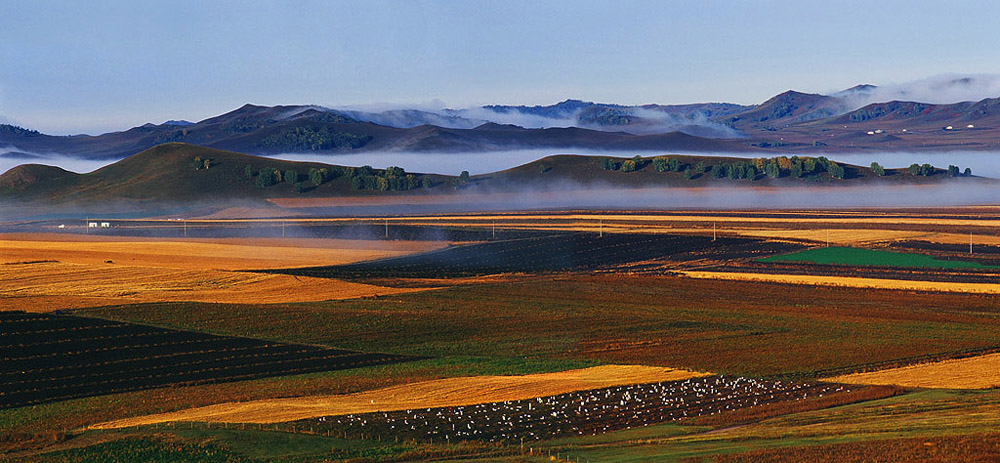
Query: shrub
{"x": 877, "y": 169}
{"x": 660, "y": 164}
{"x": 265, "y": 177}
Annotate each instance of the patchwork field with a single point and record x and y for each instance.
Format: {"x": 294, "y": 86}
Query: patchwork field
{"x": 578, "y": 332}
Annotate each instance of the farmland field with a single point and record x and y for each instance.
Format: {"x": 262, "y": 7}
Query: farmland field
{"x": 51, "y": 358}
{"x": 977, "y": 372}
{"x": 449, "y": 392}
{"x": 547, "y": 253}
{"x": 44, "y": 272}
{"x": 499, "y": 307}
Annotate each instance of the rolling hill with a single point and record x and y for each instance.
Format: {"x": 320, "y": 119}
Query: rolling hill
{"x": 178, "y": 173}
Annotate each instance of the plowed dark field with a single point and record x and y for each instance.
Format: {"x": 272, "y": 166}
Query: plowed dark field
{"x": 47, "y": 358}
{"x": 557, "y": 252}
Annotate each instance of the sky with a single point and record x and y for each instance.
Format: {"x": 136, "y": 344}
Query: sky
{"x": 94, "y": 67}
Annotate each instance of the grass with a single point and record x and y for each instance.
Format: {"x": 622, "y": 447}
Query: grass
{"x": 872, "y": 258}
{"x": 137, "y": 450}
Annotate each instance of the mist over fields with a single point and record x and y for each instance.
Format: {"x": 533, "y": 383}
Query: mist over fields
{"x": 725, "y": 194}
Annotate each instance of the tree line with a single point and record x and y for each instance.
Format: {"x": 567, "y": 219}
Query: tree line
{"x": 361, "y": 178}
{"x": 753, "y": 169}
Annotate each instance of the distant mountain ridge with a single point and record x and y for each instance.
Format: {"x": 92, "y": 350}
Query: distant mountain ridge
{"x": 791, "y": 121}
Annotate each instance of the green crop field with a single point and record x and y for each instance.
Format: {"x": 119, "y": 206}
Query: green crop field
{"x": 869, "y": 257}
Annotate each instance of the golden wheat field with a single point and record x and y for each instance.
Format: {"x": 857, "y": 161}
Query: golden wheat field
{"x": 854, "y": 282}
{"x": 40, "y": 273}
{"x": 979, "y": 372}
{"x": 449, "y": 392}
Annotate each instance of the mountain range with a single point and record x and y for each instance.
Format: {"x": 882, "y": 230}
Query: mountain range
{"x": 789, "y": 122}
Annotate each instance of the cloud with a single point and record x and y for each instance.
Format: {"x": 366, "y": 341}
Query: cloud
{"x": 940, "y": 89}
{"x": 11, "y": 157}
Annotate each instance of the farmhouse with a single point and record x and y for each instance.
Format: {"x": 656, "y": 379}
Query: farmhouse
{"x": 105, "y": 225}
{"x": 92, "y": 224}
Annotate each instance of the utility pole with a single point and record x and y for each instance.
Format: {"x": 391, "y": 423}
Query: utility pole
{"x": 387, "y": 228}
{"x": 601, "y": 228}
{"x": 185, "y": 222}
{"x": 827, "y": 237}
{"x": 714, "y": 234}
{"x": 282, "y": 229}
{"x": 494, "y": 229}
{"x": 970, "y": 242}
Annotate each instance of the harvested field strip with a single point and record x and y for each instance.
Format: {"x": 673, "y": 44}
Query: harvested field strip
{"x": 868, "y": 257}
{"x": 55, "y": 285}
{"x": 450, "y": 392}
{"x": 39, "y": 365}
{"x": 980, "y": 372}
{"x": 853, "y": 282}
{"x": 200, "y": 254}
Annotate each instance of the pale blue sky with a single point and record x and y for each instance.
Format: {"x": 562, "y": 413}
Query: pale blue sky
{"x": 80, "y": 66}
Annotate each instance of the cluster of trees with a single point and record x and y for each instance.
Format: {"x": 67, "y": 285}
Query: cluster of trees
{"x": 954, "y": 172}
{"x": 744, "y": 169}
{"x": 877, "y": 169}
{"x": 456, "y": 183}
{"x": 925, "y": 170}
{"x": 735, "y": 170}
{"x": 389, "y": 179}
{"x": 9, "y": 129}
{"x": 268, "y": 176}
{"x": 311, "y": 139}
{"x": 922, "y": 170}
{"x": 628, "y": 165}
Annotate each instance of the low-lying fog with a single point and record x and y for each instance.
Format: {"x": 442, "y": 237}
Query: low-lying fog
{"x": 982, "y": 164}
